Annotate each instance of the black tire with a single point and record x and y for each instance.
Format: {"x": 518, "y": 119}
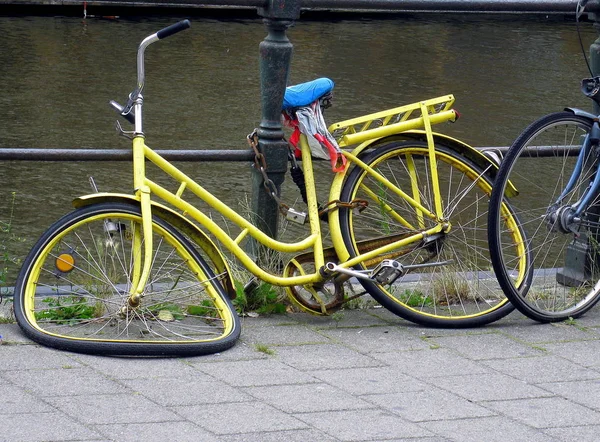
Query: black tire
{"x": 463, "y": 293}
{"x": 73, "y": 289}
{"x": 556, "y": 292}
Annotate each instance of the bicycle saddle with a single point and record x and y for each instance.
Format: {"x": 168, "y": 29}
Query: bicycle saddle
{"x": 305, "y": 93}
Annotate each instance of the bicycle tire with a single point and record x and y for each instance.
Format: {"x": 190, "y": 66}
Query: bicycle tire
{"x": 554, "y": 293}
{"x": 73, "y": 288}
{"x": 463, "y": 293}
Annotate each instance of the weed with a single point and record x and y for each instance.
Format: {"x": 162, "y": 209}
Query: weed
{"x": 450, "y": 288}
{"x": 416, "y": 298}
{"x": 65, "y": 311}
{"x": 337, "y": 316}
{"x": 264, "y": 299}
{"x": 360, "y": 303}
{"x": 7, "y": 320}
{"x": 7, "y": 236}
{"x": 570, "y": 321}
{"x": 264, "y": 349}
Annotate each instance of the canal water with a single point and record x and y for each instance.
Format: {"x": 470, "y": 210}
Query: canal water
{"x": 202, "y": 91}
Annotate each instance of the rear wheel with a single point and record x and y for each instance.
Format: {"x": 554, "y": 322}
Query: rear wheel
{"x": 453, "y": 284}
{"x": 73, "y": 289}
{"x": 565, "y": 250}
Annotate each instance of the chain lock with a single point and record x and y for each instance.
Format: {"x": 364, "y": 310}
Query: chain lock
{"x": 261, "y": 165}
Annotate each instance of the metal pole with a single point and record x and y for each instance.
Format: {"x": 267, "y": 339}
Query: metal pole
{"x": 581, "y": 256}
{"x": 275, "y": 56}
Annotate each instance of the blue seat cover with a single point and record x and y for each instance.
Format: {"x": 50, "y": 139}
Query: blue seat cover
{"x": 305, "y": 93}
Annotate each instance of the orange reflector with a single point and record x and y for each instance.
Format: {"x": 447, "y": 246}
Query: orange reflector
{"x": 65, "y": 262}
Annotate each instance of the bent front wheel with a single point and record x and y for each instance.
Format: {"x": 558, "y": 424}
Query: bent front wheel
{"x": 451, "y": 283}
{"x": 74, "y": 287}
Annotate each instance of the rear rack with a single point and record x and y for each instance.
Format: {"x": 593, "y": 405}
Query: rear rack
{"x": 392, "y": 121}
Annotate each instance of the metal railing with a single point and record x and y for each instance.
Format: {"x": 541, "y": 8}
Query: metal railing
{"x": 476, "y": 6}
{"x": 245, "y": 155}
{"x": 30, "y": 154}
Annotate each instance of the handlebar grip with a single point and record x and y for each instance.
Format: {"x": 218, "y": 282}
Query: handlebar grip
{"x": 173, "y": 29}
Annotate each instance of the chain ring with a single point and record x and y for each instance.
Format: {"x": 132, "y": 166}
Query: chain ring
{"x": 315, "y": 299}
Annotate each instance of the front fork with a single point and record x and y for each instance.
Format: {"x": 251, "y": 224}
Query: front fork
{"x": 142, "y": 236}
{"x": 142, "y": 240}
{"x": 565, "y": 219}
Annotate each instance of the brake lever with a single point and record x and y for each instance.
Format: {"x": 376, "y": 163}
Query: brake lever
{"x": 126, "y": 113}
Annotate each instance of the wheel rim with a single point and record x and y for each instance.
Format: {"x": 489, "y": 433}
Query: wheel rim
{"x": 79, "y": 284}
{"x": 555, "y": 290}
{"x": 466, "y": 288}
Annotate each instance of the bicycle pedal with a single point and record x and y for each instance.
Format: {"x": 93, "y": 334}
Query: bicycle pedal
{"x": 387, "y": 271}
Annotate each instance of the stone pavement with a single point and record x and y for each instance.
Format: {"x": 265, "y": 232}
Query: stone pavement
{"x": 364, "y": 375}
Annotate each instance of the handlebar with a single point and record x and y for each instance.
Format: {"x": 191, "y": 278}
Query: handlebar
{"x": 135, "y": 98}
{"x": 173, "y": 29}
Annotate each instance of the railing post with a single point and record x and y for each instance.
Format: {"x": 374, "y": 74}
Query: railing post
{"x": 582, "y": 260}
{"x": 275, "y": 56}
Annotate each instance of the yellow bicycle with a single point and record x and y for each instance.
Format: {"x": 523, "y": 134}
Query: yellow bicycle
{"x": 132, "y": 275}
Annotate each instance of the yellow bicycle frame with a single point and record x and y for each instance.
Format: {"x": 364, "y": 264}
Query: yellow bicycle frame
{"x": 145, "y": 187}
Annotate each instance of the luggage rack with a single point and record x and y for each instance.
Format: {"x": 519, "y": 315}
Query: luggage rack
{"x": 391, "y": 121}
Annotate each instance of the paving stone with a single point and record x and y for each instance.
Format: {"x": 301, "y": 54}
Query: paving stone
{"x": 586, "y": 353}
{"x": 280, "y": 436}
{"x": 428, "y": 405}
{"x": 263, "y": 321}
{"x": 307, "y": 398}
{"x": 580, "y": 433}
{"x": 532, "y": 332}
{"x": 423, "y": 364}
{"x": 112, "y": 409}
{"x": 489, "y": 386}
{"x": 283, "y": 335}
{"x": 12, "y": 334}
{"x": 376, "y": 339}
{"x": 15, "y": 399}
{"x": 546, "y": 412}
{"x": 136, "y": 368}
{"x": 352, "y": 319}
{"x": 243, "y": 350}
{"x": 581, "y": 392}
{"x": 318, "y": 357}
{"x": 28, "y": 357}
{"x": 156, "y": 432}
{"x": 31, "y": 427}
{"x": 385, "y": 315}
{"x": 180, "y": 390}
{"x": 64, "y": 382}
{"x": 370, "y": 380}
{"x": 243, "y": 417}
{"x": 256, "y": 372}
{"x": 590, "y": 320}
{"x": 482, "y": 345}
{"x": 488, "y": 429}
{"x": 541, "y": 369}
{"x": 364, "y": 425}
